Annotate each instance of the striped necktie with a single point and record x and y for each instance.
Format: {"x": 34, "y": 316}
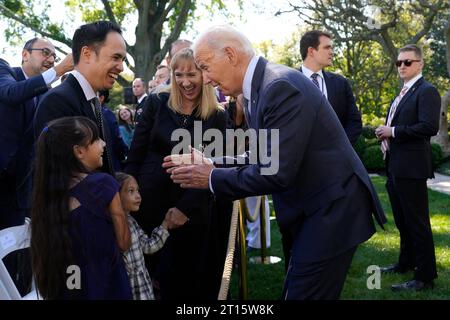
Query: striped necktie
{"x": 315, "y": 81}
{"x": 385, "y": 142}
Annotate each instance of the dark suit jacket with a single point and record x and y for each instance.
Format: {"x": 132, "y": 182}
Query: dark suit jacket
{"x": 118, "y": 147}
{"x": 151, "y": 143}
{"x": 139, "y": 110}
{"x": 321, "y": 192}
{"x": 68, "y": 100}
{"x": 17, "y": 108}
{"x": 341, "y": 98}
{"x": 415, "y": 120}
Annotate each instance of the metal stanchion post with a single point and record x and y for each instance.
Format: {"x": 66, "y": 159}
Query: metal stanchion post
{"x": 243, "y": 292}
{"x": 263, "y": 259}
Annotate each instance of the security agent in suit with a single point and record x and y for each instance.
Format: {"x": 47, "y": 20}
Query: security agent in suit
{"x": 20, "y": 90}
{"x": 412, "y": 119}
{"x": 139, "y": 91}
{"x": 98, "y": 51}
{"x": 321, "y": 192}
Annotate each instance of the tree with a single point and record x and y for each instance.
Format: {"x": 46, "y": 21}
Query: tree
{"x": 442, "y": 137}
{"x": 157, "y": 20}
{"x": 366, "y": 29}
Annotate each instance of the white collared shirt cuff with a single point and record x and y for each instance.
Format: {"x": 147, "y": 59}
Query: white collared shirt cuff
{"x": 49, "y": 76}
{"x": 210, "y": 181}
{"x": 393, "y": 132}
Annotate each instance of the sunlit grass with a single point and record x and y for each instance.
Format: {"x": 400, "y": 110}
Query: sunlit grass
{"x": 266, "y": 281}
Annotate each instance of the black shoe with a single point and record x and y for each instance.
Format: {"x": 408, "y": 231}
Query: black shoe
{"x": 395, "y": 268}
{"x": 415, "y": 285}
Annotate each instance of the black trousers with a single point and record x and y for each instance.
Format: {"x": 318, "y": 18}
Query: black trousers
{"x": 322, "y": 280}
{"x": 409, "y": 202}
{"x": 12, "y": 213}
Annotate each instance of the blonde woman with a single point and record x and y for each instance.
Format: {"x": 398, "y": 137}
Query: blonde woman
{"x": 190, "y": 264}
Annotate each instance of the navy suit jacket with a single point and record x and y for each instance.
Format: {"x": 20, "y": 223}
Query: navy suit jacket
{"x": 322, "y": 193}
{"x": 416, "y": 120}
{"x": 17, "y": 107}
{"x": 68, "y": 100}
{"x": 341, "y": 98}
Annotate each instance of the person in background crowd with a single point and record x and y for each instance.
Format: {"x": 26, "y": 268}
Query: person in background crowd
{"x": 126, "y": 124}
{"x": 140, "y": 93}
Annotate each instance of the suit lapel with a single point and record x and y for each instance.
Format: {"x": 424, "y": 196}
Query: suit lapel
{"x": 256, "y": 84}
{"x": 85, "y": 106}
{"x": 406, "y": 97}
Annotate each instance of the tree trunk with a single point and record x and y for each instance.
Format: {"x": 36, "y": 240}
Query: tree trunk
{"x": 442, "y": 137}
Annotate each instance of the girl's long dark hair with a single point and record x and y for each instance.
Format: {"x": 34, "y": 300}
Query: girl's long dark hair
{"x": 55, "y": 166}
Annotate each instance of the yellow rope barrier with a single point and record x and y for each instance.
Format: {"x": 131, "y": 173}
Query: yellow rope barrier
{"x": 228, "y": 266}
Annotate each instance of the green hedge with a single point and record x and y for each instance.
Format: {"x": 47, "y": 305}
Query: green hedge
{"x": 373, "y": 158}
{"x": 437, "y": 155}
{"x": 370, "y": 153}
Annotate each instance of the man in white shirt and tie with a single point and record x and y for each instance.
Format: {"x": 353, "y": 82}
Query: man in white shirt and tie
{"x": 316, "y": 49}
{"x": 413, "y": 118}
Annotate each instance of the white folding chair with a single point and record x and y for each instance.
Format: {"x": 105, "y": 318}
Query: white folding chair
{"x": 12, "y": 239}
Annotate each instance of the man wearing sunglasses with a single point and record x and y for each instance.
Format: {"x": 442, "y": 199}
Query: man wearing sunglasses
{"x": 20, "y": 90}
{"x": 413, "y": 118}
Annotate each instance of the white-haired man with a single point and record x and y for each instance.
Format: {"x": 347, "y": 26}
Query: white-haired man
{"x": 321, "y": 192}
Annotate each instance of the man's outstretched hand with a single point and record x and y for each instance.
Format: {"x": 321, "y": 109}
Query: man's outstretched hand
{"x": 190, "y": 170}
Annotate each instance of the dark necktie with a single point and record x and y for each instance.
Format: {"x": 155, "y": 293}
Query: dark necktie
{"x": 246, "y": 104}
{"x": 99, "y": 117}
{"x": 314, "y": 80}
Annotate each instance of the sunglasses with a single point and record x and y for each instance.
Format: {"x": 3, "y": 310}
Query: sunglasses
{"x": 407, "y": 62}
{"x": 46, "y": 53}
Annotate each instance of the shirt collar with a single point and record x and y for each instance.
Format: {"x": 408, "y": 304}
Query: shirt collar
{"x": 411, "y": 82}
{"x": 89, "y": 93}
{"x": 247, "y": 85}
{"x": 308, "y": 72}
{"x": 25, "y": 74}
{"x": 142, "y": 98}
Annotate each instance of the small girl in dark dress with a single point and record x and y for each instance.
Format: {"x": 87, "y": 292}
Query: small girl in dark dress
{"x": 78, "y": 225}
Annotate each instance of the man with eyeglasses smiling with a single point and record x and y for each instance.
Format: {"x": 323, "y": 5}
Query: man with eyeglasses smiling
{"x": 412, "y": 120}
{"x": 20, "y": 90}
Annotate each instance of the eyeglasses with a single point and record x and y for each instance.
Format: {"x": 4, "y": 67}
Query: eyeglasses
{"x": 46, "y": 53}
{"x": 407, "y": 62}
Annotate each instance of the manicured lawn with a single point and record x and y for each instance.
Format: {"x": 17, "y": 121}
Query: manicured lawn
{"x": 266, "y": 281}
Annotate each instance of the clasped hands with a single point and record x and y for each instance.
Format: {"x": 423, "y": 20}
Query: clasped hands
{"x": 383, "y": 132}
{"x": 190, "y": 170}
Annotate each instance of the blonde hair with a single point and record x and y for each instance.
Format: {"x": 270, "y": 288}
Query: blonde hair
{"x": 208, "y": 104}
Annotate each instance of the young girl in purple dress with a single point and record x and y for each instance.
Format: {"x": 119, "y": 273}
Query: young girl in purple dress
{"x": 78, "y": 227}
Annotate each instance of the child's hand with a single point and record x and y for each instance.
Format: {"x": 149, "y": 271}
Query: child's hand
{"x": 174, "y": 218}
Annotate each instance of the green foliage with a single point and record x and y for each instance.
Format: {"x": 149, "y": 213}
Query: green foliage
{"x": 265, "y": 282}
{"x": 436, "y": 154}
{"x": 360, "y": 146}
{"x": 368, "y": 132}
{"x": 373, "y": 158}
{"x": 444, "y": 168}
{"x": 435, "y": 68}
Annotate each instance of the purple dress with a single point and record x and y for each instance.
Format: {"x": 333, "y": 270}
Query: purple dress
{"x": 94, "y": 245}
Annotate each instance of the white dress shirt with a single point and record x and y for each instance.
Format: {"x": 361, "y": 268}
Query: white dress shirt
{"x": 322, "y": 85}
